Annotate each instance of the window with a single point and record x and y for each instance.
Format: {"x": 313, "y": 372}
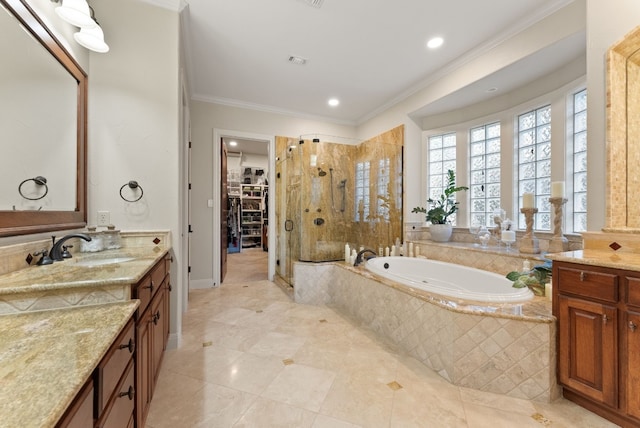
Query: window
{"x": 484, "y": 170}
{"x": 383, "y": 189}
{"x": 363, "y": 172}
{"x": 578, "y": 152}
{"x": 534, "y": 164}
{"x": 442, "y": 157}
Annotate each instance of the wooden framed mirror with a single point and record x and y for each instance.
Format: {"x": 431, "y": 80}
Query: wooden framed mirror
{"x": 43, "y": 102}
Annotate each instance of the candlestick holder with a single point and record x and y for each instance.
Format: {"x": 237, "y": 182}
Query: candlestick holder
{"x": 529, "y": 243}
{"x": 558, "y": 242}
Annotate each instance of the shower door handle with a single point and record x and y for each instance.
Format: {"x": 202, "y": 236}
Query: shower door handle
{"x": 288, "y": 225}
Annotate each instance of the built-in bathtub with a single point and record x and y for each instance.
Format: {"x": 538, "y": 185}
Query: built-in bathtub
{"x": 449, "y": 280}
{"x": 498, "y": 347}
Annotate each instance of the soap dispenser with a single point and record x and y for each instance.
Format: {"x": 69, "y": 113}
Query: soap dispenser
{"x": 111, "y": 238}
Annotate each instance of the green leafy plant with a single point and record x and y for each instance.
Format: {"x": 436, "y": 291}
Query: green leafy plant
{"x": 444, "y": 206}
{"x": 535, "y": 279}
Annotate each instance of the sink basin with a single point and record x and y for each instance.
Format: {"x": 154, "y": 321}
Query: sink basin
{"x": 103, "y": 261}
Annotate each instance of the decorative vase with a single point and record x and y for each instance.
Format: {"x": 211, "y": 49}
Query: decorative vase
{"x": 440, "y": 232}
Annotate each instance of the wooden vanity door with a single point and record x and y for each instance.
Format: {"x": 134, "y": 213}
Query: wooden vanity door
{"x": 631, "y": 336}
{"x": 588, "y": 355}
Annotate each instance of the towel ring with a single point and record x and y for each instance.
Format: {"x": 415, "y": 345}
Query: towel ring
{"x": 132, "y": 185}
{"x": 40, "y": 181}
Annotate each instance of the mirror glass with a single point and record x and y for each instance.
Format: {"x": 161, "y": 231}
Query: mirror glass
{"x": 38, "y": 116}
{"x": 43, "y": 104}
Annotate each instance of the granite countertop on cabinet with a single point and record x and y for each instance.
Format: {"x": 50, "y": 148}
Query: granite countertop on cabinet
{"x": 47, "y": 356}
{"x": 73, "y": 273}
{"x": 615, "y": 260}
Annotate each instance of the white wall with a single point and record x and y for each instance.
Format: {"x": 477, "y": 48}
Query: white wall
{"x": 134, "y": 124}
{"x": 607, "y": 23}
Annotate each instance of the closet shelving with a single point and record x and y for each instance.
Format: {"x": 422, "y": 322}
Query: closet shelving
{"x": 252, "y": 214}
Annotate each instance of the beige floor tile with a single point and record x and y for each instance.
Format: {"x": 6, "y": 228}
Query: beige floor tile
{"x": 249, "y": 373}
{"x": 272, "y": 414}
{"x": 323, "y": 421}
{"x": 198, "y": 364}
{"x": 278, "y": 345}
{"x": 360, "y": 401}
{"x": 497, "y": 401}
{"x": 323, "y": 354}
{"x": 565, "y": 414}
{"x": 479, "y": 416}
{"x": 211, "y": 406}
{"x": 300, "y": 386}
{"x": 420, "y": 404}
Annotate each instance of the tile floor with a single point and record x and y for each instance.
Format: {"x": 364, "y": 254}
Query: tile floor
{"x": 250, "y": 357}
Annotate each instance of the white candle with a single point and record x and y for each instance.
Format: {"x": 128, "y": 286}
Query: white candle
{"x": 393, "y": 250}
{"x": 416, "y": 251}
{"x": 508, "y": 236}
{"x": 410, "y": 249}
{"x": 527, "y": 200}
{"x": 380, "y": 251}
{"x": 347, "y": 253}
{"x": 386, "y": 251}
{"x": 557, "y": 189}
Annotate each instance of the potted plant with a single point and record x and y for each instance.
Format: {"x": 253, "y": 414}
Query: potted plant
{"x": 441, "y": 208}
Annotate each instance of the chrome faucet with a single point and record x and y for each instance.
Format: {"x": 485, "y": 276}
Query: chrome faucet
{"x": 360, "y": 253}
{"x": 56, "y": 250}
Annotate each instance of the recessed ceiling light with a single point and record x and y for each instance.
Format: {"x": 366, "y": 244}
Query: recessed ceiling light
{"x": 333, "y": 102}
{"x": 434, "y": 43}
{"x": 298, "y": 60}
{"x": 233, "y": 143}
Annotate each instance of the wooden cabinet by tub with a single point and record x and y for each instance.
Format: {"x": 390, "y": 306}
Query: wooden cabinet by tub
{"x": 152, "y": 332}
{"x": 598, "y": 312}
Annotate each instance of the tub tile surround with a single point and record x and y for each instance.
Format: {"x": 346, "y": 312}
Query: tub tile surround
{"x": 511, "y": 351}
{"x": 25, "y": 287}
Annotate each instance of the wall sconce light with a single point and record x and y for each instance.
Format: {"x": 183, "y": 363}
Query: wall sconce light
{"x": 80, "y": 14}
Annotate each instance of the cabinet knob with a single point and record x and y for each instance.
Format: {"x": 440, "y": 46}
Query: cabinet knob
{"x": 131, "y": 393}
{"x": 582, "y": 276}
{"x": 632, "y": 326}
{"x": 156, "y": 318}
{"x": 605, "y": 318}
{"x": 131, "y": 346}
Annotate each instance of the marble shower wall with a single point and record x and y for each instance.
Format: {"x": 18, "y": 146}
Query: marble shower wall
{"x": 329, "y": 194}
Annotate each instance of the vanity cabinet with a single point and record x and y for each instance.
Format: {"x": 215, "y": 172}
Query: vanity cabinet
{"x": 107, "y": 399}
{"x": 152, "y": 332}
{"x": 598, "y": 313}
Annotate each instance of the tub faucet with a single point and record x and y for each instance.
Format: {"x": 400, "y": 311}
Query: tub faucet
{"x": 359, "y": 257}
{"x": 56, "y": 250}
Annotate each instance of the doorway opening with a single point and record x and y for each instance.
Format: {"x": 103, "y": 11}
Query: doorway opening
{"x": 241, "y": 226}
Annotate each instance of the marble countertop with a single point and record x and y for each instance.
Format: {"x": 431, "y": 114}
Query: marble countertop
{"x": 615, "y": 260}
{"x": 70, "y": 273}
{"x": 47, "y": 356}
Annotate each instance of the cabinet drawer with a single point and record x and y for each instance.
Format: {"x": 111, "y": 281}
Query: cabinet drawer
{"x": 120, "y": 411}
{"x": 633, "y": 291}
{"x": 588, "y": 283}
{"x": 113, "y": 365}
{"x": 150, "y": 284}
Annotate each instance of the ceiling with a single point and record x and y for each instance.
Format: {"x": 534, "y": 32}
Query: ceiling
{"x": 368, "y": 53}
